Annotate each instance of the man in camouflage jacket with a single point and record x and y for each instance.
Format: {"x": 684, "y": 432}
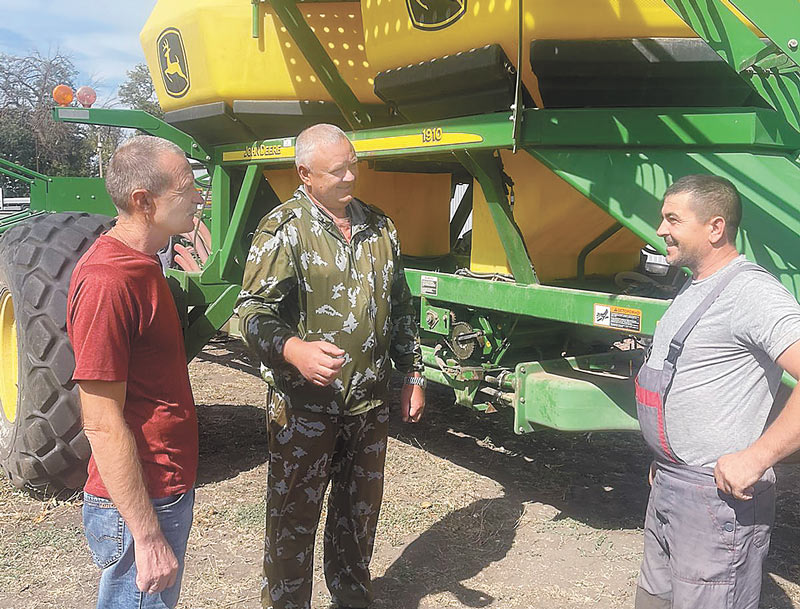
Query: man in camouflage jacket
{"x": 325, "y": 306}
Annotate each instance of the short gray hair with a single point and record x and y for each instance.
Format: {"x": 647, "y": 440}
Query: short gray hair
{"x": 711, "y": 196}
{"x": 136, "y": 164}
{"x": 308, "y": 140}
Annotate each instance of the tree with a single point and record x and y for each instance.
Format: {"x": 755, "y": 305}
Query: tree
{"x": 28, "y": 134}
{"x": 138, "y": 92}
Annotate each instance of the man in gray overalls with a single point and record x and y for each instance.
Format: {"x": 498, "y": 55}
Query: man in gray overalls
{"x": 703, "y": 397}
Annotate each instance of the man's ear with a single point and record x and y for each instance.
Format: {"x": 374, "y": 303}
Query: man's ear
{"x": 141, "y": 202}
{"x": 305, "y": 174}
{"x": 717, "y": 234}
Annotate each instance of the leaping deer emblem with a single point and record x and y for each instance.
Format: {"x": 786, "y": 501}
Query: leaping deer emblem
{"x": 173, "y": 66}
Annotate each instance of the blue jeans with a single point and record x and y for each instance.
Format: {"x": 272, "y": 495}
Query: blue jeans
{"x": 112, "y": 549}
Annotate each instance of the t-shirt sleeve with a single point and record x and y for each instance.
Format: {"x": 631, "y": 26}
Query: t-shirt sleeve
{"x": 101, "y": 321}
{"x": 766, "y": 316}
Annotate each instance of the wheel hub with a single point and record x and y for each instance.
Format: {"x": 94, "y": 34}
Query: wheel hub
{"x": 8, "y": 356}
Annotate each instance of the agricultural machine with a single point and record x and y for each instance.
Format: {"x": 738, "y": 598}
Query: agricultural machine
{"x": 567, "y": 119}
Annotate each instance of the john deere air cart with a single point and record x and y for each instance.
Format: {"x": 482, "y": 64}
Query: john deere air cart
{"x": 568, "y": 118}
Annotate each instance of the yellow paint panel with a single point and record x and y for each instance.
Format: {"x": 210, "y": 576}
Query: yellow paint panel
{"x": 259, "y": 153}
{"x": 226, "y": 63}
{"x": 418, "y": 140}
{"x": 396, "y": 142}
{"x": 392, "y": 41}
{"x": 489, "y": 22}
{"x": 556, "y": 222}
{"x": 418, "y": 203}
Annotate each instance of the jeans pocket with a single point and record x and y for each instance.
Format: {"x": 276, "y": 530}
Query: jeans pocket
{"x": 167, "y": 502}
{"x": 104, "y": 529}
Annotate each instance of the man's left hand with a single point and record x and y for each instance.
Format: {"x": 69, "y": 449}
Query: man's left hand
{"x": 412, "y": 403}
{"x": 736, "y": 474}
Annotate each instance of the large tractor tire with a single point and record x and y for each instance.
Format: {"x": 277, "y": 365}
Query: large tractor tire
{"x": 42, "y": 445}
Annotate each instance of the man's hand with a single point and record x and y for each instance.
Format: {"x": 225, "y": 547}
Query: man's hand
{"x": 156, "y": 565}
{"x": 185, "y": 259}
{"x": 736, "y": 473}
{"x": 200, "y": 239}
{"x": 319, "y": 361}
{"x": 412, "y": 402}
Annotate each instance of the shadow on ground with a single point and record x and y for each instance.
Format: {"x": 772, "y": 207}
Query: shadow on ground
{"x": 233, "y": 439}
{"x": 233, "y": 354}
{"x": 453, "y": 550}
{"x": 597, "y": 479}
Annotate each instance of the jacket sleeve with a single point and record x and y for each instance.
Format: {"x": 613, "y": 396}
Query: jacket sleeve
{"x": 269, "y": 279}
{"x": 404, "y": 348}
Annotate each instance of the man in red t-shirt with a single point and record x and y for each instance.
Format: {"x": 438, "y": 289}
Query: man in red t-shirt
{"x": 130, "y": 366}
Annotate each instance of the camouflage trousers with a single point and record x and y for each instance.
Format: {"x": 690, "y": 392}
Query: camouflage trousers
{"x": 307, "y": 451}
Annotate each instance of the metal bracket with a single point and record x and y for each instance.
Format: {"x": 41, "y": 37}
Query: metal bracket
{"x": 133, "y": 119}
{"x": 486, "y": 170}
{"x": 771, "y": 57}
{"x": 241, "y": 211}
{"x": 517, "y": 110}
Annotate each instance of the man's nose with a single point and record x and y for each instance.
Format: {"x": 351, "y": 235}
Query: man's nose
{"x": 663, "y": 229}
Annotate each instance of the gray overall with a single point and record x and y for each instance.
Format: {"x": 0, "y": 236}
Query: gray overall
{"x": 702, "y": 549}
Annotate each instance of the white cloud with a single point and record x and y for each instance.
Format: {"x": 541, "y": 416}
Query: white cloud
{"x": 101, "y": 37}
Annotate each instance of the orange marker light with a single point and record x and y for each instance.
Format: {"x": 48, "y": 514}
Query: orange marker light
{"x": 86, "y": 96}
{"x": 62, "y": 95}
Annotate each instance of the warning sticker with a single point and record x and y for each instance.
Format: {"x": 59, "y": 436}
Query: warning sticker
{"x": 429, "y": 286}
{"x": 617, "y": 318}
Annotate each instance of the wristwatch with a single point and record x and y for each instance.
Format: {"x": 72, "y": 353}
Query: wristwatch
{"x": 415, "y": 380}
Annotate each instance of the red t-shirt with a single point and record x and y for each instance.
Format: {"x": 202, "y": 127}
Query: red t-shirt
{"x": 124, "y": 326}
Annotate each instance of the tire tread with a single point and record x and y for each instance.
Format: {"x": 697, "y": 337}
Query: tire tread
{"x": 48, "y": 450}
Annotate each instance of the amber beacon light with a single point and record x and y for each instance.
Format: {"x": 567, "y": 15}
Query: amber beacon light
{"x": 63, "y": 95}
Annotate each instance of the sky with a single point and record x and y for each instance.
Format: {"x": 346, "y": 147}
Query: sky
{"x": 101, "y": 36}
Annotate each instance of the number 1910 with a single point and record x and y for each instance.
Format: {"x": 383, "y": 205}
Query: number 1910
{"x": 431, "y": 134}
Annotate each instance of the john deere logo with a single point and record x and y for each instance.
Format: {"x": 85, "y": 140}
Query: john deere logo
{"x": 435, "y": 14}
{"x": 172, "y": 57}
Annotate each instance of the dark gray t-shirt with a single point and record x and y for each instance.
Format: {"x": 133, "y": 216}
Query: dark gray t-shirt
{"x": 726, "y": 377}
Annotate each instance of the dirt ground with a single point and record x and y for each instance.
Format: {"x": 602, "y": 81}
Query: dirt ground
{"x": 474, "y": 516}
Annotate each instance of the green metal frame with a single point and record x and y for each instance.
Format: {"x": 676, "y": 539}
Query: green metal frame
{"x": 564, "y": 394}
{"x": 622, "y": 159}
{"x": 53, "y": 194}
{"x": 534, "y": 300}
{"x": 740, "y": 47}
{"x": 133, "y": 119}
{"x": 593, "y": 245}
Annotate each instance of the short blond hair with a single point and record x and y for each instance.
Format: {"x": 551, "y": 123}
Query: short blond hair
{"x": 135, "y": 164}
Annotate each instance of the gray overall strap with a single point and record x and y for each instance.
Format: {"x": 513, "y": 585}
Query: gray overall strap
{"x": 677, "y": 342}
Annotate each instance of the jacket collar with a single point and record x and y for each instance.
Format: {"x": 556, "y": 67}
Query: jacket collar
{"x": 358, "y": 211}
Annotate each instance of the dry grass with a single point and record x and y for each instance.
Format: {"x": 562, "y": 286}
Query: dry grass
{"x": 473, "y": 516}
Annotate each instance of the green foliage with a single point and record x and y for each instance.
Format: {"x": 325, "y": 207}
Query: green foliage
{"x": 28, "y": 134}
{"x": 138, "y": 92}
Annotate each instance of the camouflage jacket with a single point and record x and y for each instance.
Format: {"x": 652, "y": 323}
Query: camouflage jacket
{"x": 302, "y": 278}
